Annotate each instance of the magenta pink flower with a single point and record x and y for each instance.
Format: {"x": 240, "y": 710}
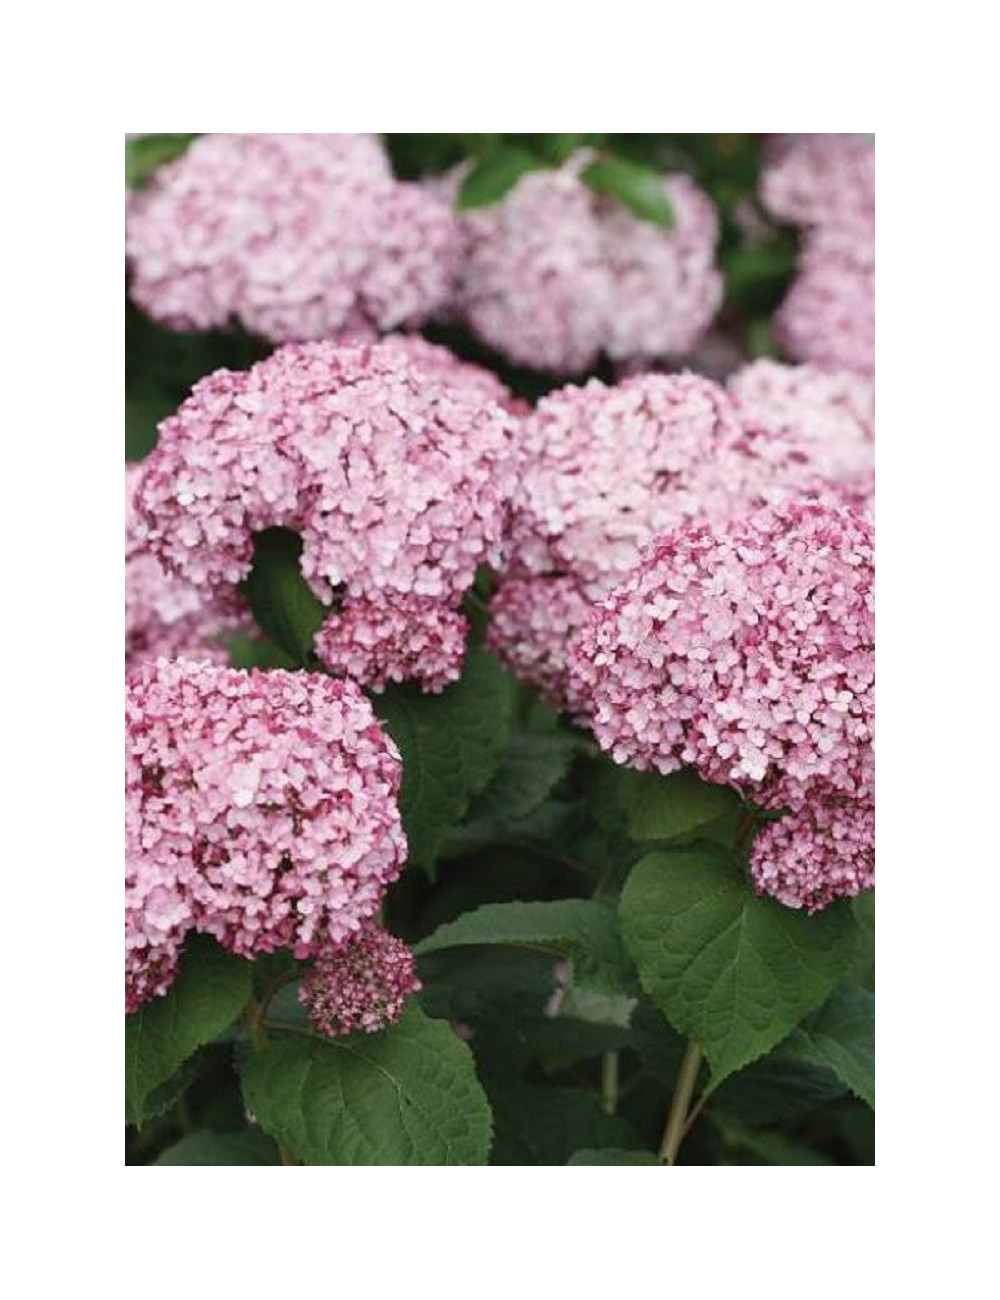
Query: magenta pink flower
{"x": 166, "y": 616}
{"x": 397, "y": 479}
{"x": 294, "y": 236}
{"x": 554, "y": 274}
{"x": 260, "y": 808}
{"x": 362, "y": 985}
{"x": 745, "y": 650}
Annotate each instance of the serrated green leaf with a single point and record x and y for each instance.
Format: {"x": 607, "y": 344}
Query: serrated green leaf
{"x": 582, "y": 930}
{"x": 734, "y": 971}
{"x": 611, "y": 1156}
{"x": 406, "y": 1096}
{"x": 841, "y": 1037}
{"x": 641, "y": 189}
{"x": 672, "y": 807}
{"x": 249, "y": 1147}
{"x": 208, "y": 994}
{"x": 545, "y": 1126}
{"x": 489, "y": 179}
{"x": 281, "y": 601}
{"x": 531, "y": 766}
{"x": 451, "y": 744}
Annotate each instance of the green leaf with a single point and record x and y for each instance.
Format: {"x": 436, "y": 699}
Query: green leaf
{"x": 493, "y": 175}
{"x": 771, "y": 1148}
{"x": 775, "y": 1089}
{"x": 529, "y": 769}
{"x": 863, "y": 908}
{"x": 208, "y": 994}
{"x": 672, "y": 807}
{"x": 545, "y": 1126}
{"x": 611, "y": 1156}
{"x": 281, "y": 601}
{"x": 641, "y": 189}
{"x": 451, "y": 744}
{"x": 729, "y": 969}
{"x": 144, "y": 153}
{"x": 248, "y": 1147}
{"x": 581, "y": 930}
{"x": 406, "y": 1096}
{"x": 841, "y": 1037}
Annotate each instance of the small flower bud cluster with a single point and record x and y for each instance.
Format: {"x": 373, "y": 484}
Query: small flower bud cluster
{"x": 293, "y": 236}
{"x": 260, "y": 808}
{"x": 362, "y": 985}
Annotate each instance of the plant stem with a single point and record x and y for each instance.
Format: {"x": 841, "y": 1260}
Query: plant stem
{"x": 687, "y": 1077}
{"x": 609, "y": 1082}
{"x": 258, "y": 1032}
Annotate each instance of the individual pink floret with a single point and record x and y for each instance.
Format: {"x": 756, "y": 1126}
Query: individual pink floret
{"x": 555, "y": 275}
{"x": 293, "y": 236}
{"x": 260, "y": 808}
{"x": 396, "y": 478}
{"x": 362, "y": 985}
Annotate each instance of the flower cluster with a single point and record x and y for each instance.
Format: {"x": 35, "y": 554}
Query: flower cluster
{"x": 607, "y": 469}
{"x": 809, "y": 432}
{"x": 165, "y": 616}
{"x": 362, "y": 985}
{"x": 260, "y": 808}
{"x": 396, "y": 477}
{"x": 826, "y": 183}
{"x": 822, "y": 851}
{"x": 745, "y": 650}
{"x": 554, "y": 275}
{"x": 294, "y": 236}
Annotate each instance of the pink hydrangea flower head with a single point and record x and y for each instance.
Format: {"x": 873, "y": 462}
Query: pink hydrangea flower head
{"x": 810, "y": 430}
{"x": 828, "y": 315}
{"x": 745, "y": 650}
{"x": 554, "y": 274}
{"x": 819, "y": 180}
{"x": 362, "y": 985}
{"x": 166, "y": 616}
{"x": 396, "y": 478}
{"x": 826, "y": 184}
{"x": 260, "y": 808}
{"x": 294, "y": 236}
{"x": 823, "y": 851}
{"x": 605, "y": 470}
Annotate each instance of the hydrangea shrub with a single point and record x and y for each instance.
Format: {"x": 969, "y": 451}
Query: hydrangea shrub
{"x": 499, "y": 696}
